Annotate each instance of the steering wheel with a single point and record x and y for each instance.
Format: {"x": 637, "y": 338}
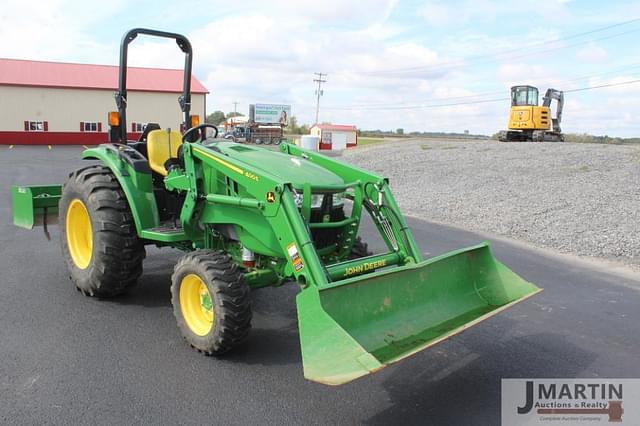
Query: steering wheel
{"x": 201, "y": 128}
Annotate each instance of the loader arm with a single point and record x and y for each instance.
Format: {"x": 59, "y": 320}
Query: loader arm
{"x": 558, "y": 96}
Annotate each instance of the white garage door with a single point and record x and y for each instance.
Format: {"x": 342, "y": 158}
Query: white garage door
{"x": 338, "y": 140}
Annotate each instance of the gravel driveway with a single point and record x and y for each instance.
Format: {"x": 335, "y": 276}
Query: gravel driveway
{"x": 576, "y": 198}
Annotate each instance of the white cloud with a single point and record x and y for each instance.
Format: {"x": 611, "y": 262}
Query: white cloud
{"x": 268, "y": 52}
{"x": 592, "y": 53}
{"x": 54, "y": 29}
{"x": 437, "y": 13}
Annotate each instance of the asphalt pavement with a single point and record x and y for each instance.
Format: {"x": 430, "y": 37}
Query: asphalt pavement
{"x": 69, "y": 359}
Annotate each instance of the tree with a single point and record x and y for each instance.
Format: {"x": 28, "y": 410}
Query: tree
{"x": 400, "y": 131}
{"x": 294, "y": 129}
{"x": 293, "y": 125}
{"x": 233, "y": 114}
{"x": 215, "y": 118}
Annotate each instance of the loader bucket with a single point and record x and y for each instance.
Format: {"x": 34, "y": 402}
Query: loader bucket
{"x": 359, "y": 325}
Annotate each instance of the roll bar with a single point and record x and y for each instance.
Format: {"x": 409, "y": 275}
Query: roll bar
{"x": 119, "y": 134}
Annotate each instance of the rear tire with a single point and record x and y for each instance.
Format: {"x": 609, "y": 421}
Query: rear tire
{"x": 98, "y": 236}
{"x": 211, "y": 301}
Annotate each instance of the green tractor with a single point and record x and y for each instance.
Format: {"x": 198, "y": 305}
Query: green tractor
{"x": 248, "y": 217}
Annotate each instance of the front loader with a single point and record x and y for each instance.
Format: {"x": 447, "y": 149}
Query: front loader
{"x": 248, "y": 217}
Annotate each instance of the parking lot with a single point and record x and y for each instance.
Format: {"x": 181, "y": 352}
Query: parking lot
{"x": 69, "y": 359}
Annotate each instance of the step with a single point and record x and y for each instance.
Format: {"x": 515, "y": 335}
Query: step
{"x": 166, "y": 233}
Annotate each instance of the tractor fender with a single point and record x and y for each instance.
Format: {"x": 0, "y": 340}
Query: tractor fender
{"x": 133, "y": 177}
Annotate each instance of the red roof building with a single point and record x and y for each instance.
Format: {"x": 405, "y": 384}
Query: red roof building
{"x": 55, "y": 102}
{"x": 337, "y": 127}
{"x": 335, "y": 136}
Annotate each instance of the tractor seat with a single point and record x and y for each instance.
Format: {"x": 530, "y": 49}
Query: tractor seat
{"x": 161, "y": 146}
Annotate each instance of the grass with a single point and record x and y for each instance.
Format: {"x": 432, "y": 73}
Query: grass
{"x": 580, "y": 169}
{"x": 369, "y": 141}
{"x": 441, "y": 147}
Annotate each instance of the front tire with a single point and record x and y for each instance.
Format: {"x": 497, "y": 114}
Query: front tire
{"x": 98, "y": 236}
{"x": 211, "y": 301}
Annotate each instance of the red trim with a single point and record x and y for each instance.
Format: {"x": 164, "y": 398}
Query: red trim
{"x": 45, "y": 86}
{"x": 82, "y": 126}
{"x": 56, "y": 138}
{"x": 89, "y": 76}
{"x": 26, "y": 126}
{"x": 324, "y": 145}
{"x": 99, "y": 126}
{"x": 45, "y": 126}
{"x": 340, "y": 127}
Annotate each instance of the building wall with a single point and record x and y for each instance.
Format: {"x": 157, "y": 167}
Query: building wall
{"x": 315, "y": 131}
{"x": 352, "y": 137}
{"x": 64, "y": 109}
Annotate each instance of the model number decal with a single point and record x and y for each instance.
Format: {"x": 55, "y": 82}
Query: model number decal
{"x": 252, "y": 176}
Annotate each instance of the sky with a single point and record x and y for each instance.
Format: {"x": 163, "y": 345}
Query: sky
{"x": 419, "y": 65}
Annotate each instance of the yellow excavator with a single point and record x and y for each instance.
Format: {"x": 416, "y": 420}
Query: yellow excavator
{"x": 529, "y": 122}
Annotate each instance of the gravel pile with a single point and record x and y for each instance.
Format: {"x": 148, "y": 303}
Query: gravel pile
{"x": 576, "y": 198}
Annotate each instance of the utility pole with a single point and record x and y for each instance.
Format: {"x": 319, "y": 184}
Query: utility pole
{"x": 235, "y": 107}
{"x": 319, "y": 91}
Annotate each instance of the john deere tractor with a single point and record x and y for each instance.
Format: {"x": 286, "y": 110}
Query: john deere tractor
{"x": 247, "y": 217}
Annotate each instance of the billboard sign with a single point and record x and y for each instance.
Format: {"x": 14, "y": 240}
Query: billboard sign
{"x": 271, "y": 114}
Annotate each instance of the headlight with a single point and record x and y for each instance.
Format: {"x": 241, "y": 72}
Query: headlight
{"x": 316, "y": 200}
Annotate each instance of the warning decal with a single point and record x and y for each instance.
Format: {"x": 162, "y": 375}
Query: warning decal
{"x": 296, "y": 260}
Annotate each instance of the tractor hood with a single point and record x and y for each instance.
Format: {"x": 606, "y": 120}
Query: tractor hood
{"x": 296, "y": 170}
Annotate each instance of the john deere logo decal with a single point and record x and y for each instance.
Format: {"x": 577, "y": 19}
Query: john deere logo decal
{"x": 271, "y": 197}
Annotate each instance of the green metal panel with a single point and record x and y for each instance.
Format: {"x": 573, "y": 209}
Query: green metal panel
{"x": 31, "y": 202}
{"x": 287, "y": 168}
{"x": 391, "y": 314}
{"x": 164, "y": 236}
{"x": 348, "y": 172}
{"x": 138, "y": 187}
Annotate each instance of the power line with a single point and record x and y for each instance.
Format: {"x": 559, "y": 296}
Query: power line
{"x": 491, "y": 57}
{"x": 410, "y": 107}
{"x": 626, "y": 67}
{"x": 623, "y": 83}
{"x": 319, "y": 91}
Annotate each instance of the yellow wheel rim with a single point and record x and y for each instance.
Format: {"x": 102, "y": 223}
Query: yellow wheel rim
{"x": 196, "y": 305}
{"x": 79, "y": 234}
